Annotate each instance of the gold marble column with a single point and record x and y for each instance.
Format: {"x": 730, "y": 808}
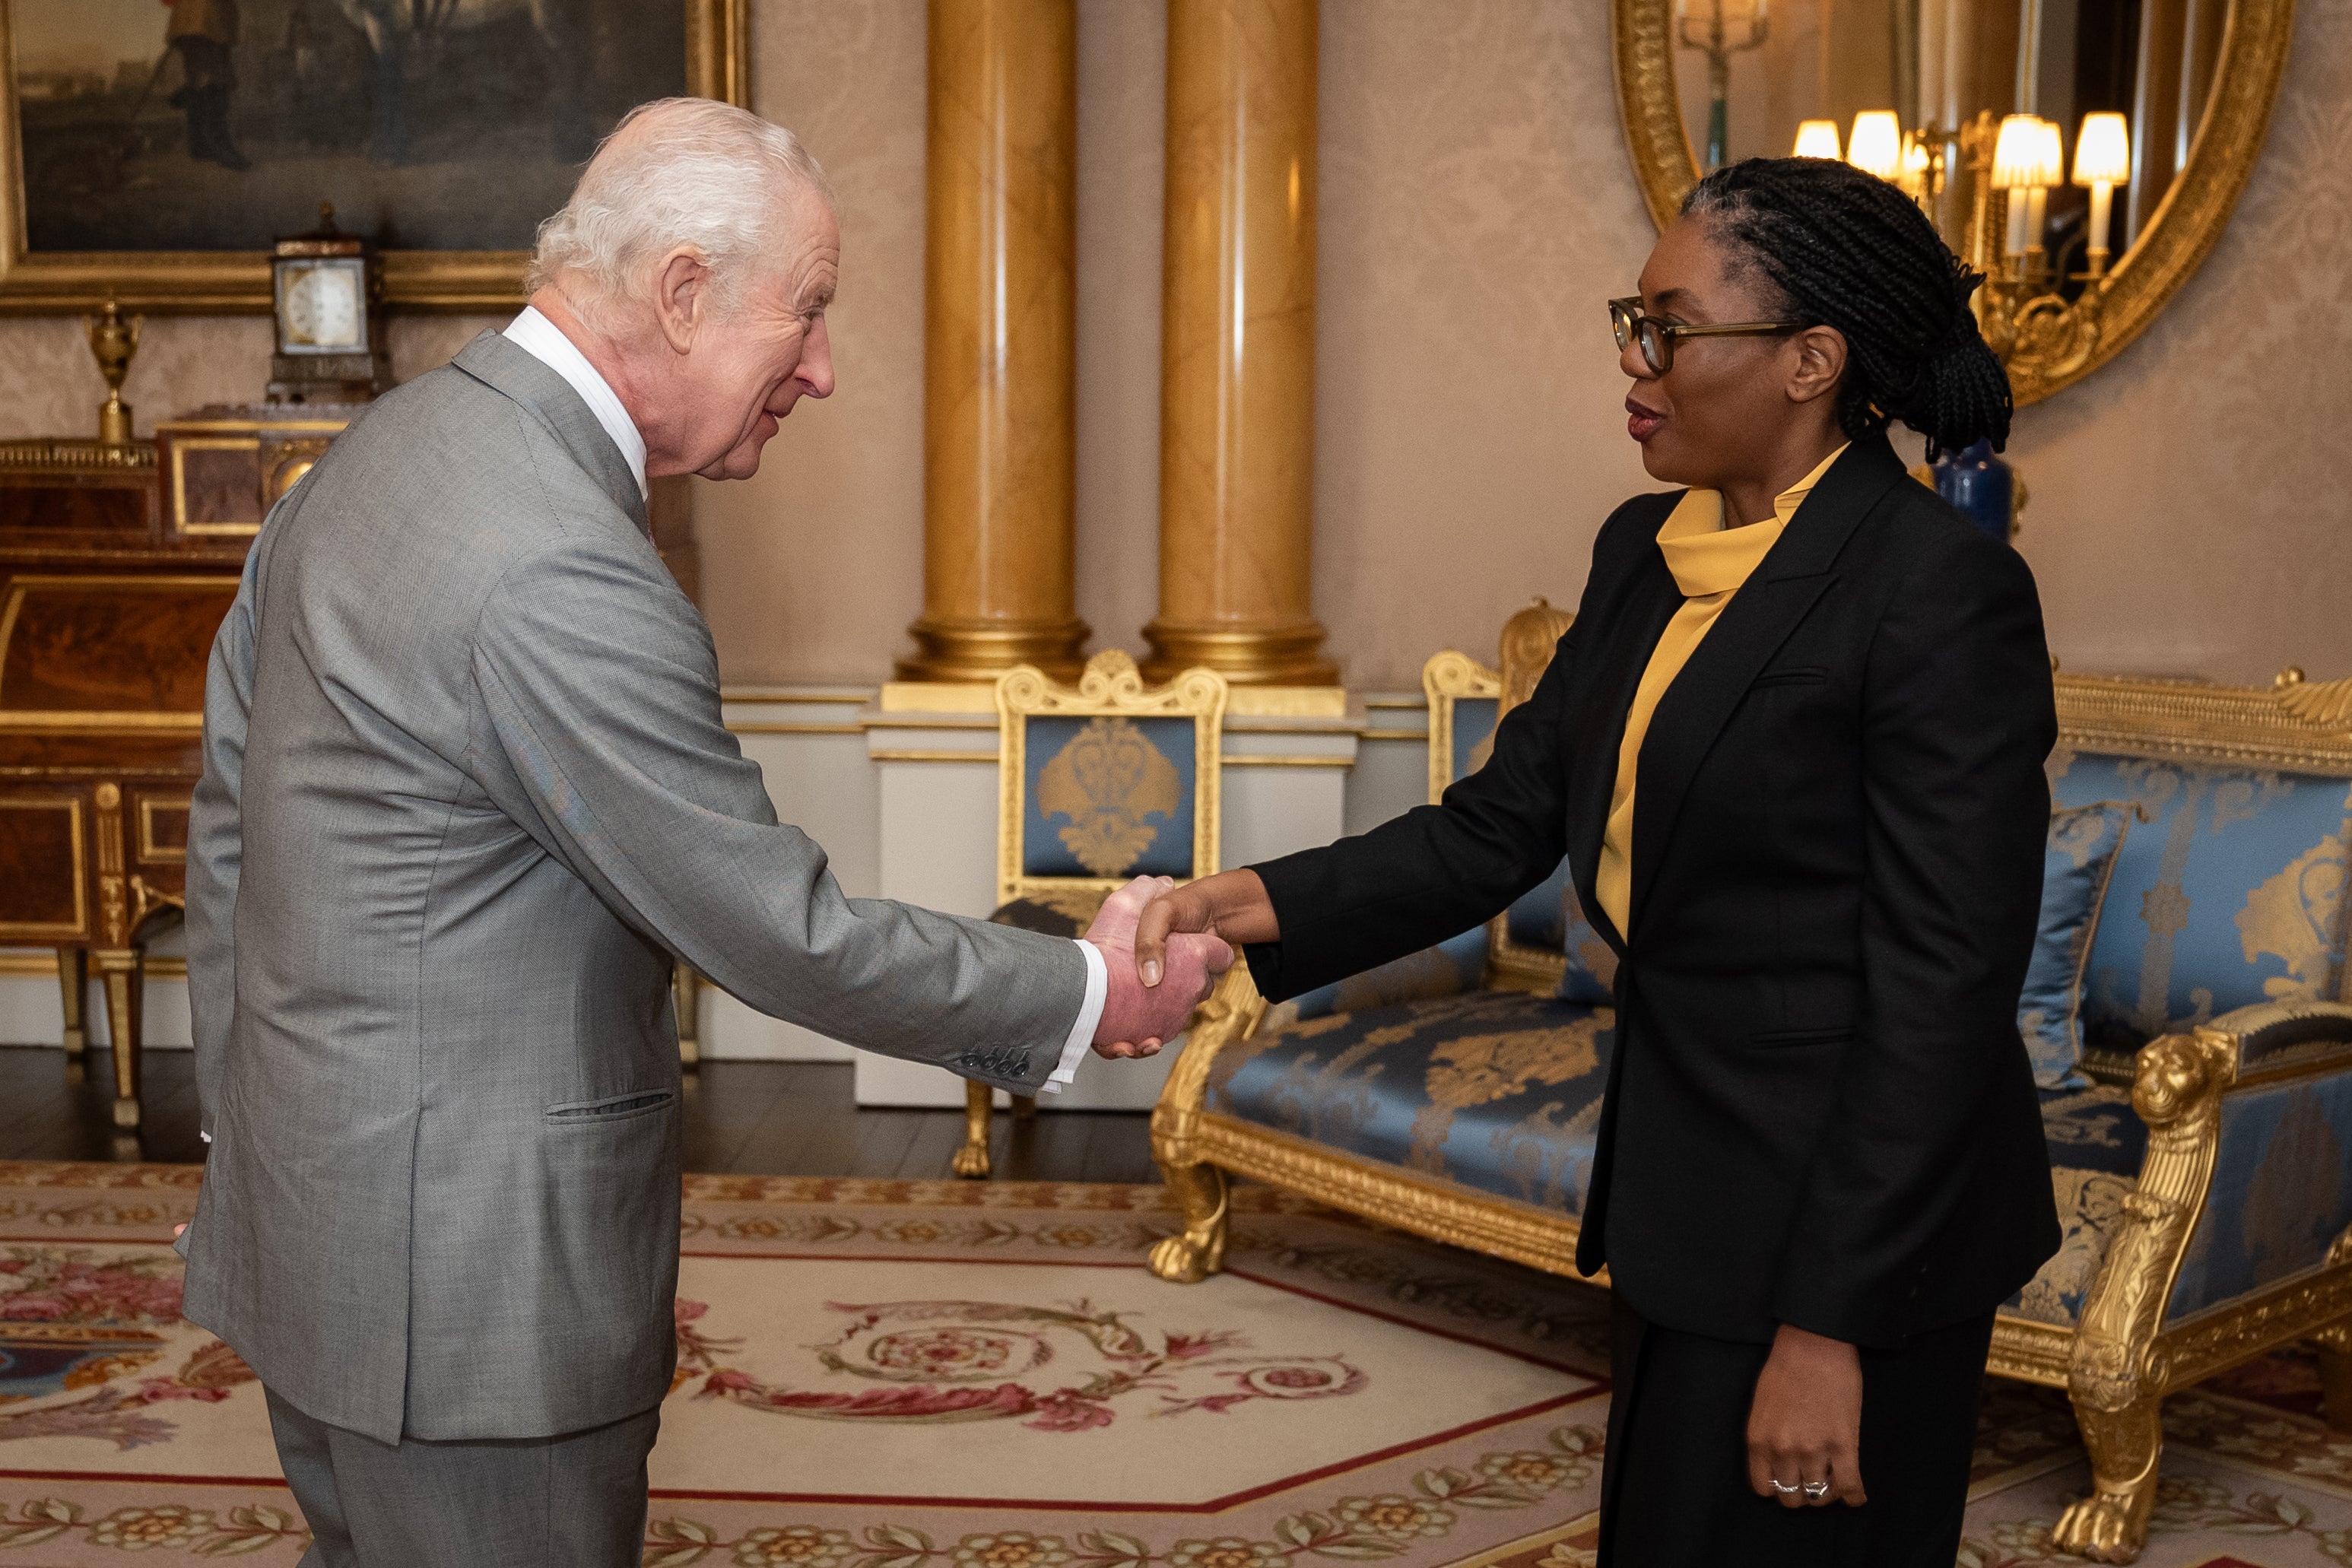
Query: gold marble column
{"x": 1000, "y": 317}
{"x": 1237, "y": 347}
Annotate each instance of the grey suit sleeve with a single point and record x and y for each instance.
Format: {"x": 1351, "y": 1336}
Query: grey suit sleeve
{"x": 600, "y": 695}
{"x": 216, "y": 843}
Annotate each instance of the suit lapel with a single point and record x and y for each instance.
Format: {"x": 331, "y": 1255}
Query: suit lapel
{"x": 1752, "y": 627}
{"x": 1644, "y": 606}
{"x": 522, "y": 376}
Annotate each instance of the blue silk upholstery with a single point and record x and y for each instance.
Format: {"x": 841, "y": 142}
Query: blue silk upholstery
{"x": 2084, "y": 843}
{"x": 1495, "y": 1090}
{"x": 2232, "y": 893}
{"x": 2096, "y": 1144}
{"x": 1107, "y": 797}
{"x": 2281, "y": 1192}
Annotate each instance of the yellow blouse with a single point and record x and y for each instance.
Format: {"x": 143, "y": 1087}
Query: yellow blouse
{"x": 1709, "y": 562}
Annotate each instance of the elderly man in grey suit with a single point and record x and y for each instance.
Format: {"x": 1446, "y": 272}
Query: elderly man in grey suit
{"x": 467, "y": 798}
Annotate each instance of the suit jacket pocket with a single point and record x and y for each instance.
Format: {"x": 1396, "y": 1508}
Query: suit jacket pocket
{"x": 1777, "y": 1040}
{"x": 1792, "y": 675}
{"x": 611, "y": 1108}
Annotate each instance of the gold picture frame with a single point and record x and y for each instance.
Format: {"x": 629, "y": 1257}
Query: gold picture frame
{"x": 2187, "y": 223}
{"x": 197, "y": 282}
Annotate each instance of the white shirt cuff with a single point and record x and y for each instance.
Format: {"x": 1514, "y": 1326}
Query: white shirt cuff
{"x": 1091, "y": 1012}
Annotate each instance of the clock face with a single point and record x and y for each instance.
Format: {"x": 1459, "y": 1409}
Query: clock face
{"x": 321, "y": 308}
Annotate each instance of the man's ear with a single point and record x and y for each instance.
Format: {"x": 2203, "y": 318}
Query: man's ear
{"x": 1820, "y": 364}
{"x": 682, "y": 296}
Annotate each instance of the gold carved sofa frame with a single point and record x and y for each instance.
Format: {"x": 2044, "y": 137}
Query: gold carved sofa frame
{"x": 2128, "y": 1343}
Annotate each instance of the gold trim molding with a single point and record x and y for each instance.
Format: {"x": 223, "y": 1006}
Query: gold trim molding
{"x": 204, "y": 282}
{"x": 2187, "y": 223}
{"x": 44, "y": 967}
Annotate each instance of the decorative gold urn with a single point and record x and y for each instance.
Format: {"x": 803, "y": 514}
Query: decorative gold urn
{"x": 113, "y": 340}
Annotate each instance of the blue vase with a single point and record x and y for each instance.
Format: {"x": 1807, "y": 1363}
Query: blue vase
{"x": 1976, "y": 480}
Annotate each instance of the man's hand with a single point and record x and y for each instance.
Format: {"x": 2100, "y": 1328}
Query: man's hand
{"x": 1804, "y": 1427}
{"x": 1231, "y": 905}
{"x": 1135, "y": 1019}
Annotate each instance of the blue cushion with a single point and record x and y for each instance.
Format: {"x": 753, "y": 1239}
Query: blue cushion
{"x": 1497, "y": 1091}
{"x": 2084, "y": 841}
{"x": 1107, "y": 797}
{"x": 2233, "y": 893}
{"x": 1446, "y": 970}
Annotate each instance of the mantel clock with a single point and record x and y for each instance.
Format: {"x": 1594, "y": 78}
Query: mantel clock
{"x": 327, "y": 294}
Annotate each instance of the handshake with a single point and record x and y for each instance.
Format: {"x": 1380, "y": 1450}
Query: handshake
{"x": 1164, "y": 948}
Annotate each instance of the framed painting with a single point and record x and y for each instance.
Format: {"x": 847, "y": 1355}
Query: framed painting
{"x": 152, "y": 150}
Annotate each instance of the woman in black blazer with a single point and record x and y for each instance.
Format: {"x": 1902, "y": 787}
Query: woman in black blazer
{"x": 1792, "y": 749}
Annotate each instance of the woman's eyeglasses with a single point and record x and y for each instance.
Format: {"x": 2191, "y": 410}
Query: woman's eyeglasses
{"x": 1635, "y": 325}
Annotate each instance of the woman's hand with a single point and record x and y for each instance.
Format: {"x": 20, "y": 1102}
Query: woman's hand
{"x": 1805, "y": 1424}
{"x": 1231, "y": 905}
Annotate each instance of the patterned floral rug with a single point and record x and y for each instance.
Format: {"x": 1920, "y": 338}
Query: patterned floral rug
{"x": 930, "y": 1374}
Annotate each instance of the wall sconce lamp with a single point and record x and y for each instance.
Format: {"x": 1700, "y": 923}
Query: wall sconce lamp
{"x": 2102, "y": 162}
{"x": 2027, "y": 161}
{"x": 1875, "y": 145}
{"x": 2030, "y": 326}
{"x": 1818, "y": 139}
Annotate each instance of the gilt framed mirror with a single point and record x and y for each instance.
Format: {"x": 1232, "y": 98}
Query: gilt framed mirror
{"x": 2029, "y": 130}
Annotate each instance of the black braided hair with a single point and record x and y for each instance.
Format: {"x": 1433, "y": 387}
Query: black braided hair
{"x": 1847, "y": 249}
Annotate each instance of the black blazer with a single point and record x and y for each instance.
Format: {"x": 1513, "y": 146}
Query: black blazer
{"x": 1818, "y": 1110}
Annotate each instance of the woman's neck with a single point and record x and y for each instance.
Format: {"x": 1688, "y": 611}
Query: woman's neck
{"x": 1748, "y": 501}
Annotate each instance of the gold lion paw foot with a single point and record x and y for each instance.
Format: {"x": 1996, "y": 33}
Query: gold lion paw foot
{"x": 2102, "y": 1528}
{"x": 1181, "y": 1259}
{"x": 972, "y": 1160}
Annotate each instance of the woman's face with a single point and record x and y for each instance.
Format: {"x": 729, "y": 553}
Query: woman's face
{"x": 1728, "y": 411}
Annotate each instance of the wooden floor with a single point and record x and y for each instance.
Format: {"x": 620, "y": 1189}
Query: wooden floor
{"x": 769, "y": 1119}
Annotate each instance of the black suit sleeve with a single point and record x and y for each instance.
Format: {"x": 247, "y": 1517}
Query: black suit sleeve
{"x": 1435, "y": 871}
{"x": 1957, "y": 716}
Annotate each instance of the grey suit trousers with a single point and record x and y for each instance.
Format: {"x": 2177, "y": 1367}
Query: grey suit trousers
{"x": 577, "y": 1500}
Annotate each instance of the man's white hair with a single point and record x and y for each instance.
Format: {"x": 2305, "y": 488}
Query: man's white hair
{"x": 705, "y": 174}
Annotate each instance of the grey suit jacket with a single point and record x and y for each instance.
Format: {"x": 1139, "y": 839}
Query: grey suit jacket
{"x": 465, "y": 793}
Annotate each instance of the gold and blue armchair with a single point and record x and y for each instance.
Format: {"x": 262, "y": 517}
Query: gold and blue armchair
{"x": 2203, "y": 1174}
{"x": 1100, "y": 782}
{"x": 2205, "y": 1177}
{"x": 1452, "y": 1092}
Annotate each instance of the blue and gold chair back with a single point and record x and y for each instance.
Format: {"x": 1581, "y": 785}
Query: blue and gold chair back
{"x": 1105, "y": 781}
{"x": 1465, "y": 702}
{"x": 1543, "y": 943}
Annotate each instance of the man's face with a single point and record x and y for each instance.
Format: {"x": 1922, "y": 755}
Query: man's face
{"x": 750, "y": 364}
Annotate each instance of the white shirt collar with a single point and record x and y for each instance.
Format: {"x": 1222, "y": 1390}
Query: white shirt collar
{"x": 544, "y": 341}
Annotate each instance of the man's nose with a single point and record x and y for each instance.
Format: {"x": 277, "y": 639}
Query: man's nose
{"x": 816, "y": 374}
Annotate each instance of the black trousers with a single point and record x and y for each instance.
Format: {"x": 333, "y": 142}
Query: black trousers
{"x": 1673, "y": 1487}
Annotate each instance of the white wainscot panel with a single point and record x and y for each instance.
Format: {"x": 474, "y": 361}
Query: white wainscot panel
{"x": 938, "y": 849}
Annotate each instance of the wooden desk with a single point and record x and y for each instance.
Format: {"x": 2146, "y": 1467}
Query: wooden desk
{"x": 116, "y": 567}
